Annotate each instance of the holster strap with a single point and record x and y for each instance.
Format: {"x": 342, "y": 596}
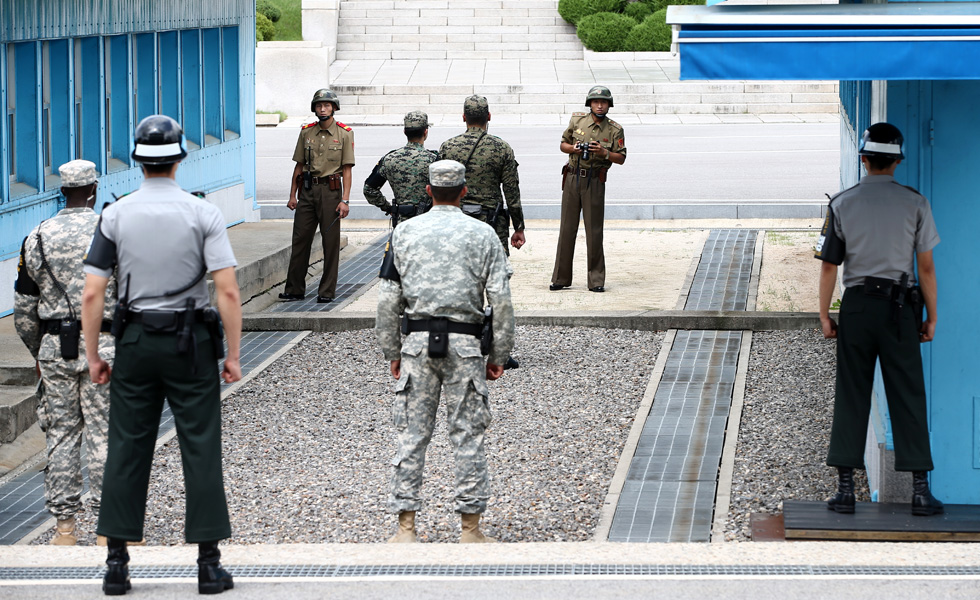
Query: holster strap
{"x": 454, "y": 327}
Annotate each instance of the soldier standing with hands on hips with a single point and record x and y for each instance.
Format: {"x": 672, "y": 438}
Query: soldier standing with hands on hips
{"x": 878, "y": 230}
{"x": 444, "y": 265}
{"x": 593, "y": 142}
{"x": 163, "y": 241}
{"x": 320, "y": 194}
{"x": 47, "y": 316}
{"x": 406, "y": 170}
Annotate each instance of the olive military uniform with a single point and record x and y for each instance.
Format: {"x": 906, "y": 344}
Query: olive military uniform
{"x": 584, "y": 191}
{"x": 162, "y": 239}
{"x": 490, "y": 166}
{"x": 323, "y": 152}
{"x": 882, "y": 225}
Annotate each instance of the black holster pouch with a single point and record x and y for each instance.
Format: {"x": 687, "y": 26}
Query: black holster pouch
{"x": 388, "y": 270}
{"x": 68, "y": 336}
{"x": 406, "y": 210}
{"x": 486, "y": 334}
{"x": 438, "y": 338}
{"x": 307, "y": 181}
{"x": 119, "y": 320}
{"x": 878, "y": 287}
{"x": 159, "y": 321}
{"x": 473, "y": 210}
{"x": 186, "y": 340}
{"x": 212, "y": 318}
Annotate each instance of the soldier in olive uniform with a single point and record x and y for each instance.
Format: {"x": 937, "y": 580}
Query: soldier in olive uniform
{"x": 596, "y": 142}
{"x": 47, "y": 316}
{"x": 446, "y": 263}
{"x": 406, "y": 170}
{"x": 320, "y": 195}
{"x": 490, "y": 166}
{"x": 880, "y": 230}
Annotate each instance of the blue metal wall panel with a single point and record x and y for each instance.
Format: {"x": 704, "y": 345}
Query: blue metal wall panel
{"x": 61, "y": 104}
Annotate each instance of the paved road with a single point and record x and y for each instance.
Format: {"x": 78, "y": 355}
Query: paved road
{"x": 686, "y": 588}
{"x": 784, "y": 161}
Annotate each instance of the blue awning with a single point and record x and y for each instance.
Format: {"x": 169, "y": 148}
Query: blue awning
{"x": 924, "y": 41}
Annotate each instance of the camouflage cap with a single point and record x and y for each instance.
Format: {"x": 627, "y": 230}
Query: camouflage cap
{"x": 416, "y": 120}
{"x": 77, "y": 173}
{"x": 476, "y": 106}
{"x": 447, "y": 173}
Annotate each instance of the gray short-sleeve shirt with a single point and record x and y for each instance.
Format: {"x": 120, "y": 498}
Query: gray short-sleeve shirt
{"x": 164, "y": 237}
{"x": 884, "y": 225}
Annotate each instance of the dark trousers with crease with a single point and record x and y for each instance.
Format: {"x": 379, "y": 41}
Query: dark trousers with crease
{"x": 868, "y": 332}
{"x": 148, "y": 369}
{"x": 315, "y": 208}
{"x": 586, "y": 196}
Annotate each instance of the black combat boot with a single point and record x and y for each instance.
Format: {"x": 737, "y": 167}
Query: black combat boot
{"x": 843, "y": 502}
{"x": 116, "y": 580}
{"x": 211, "y": 576}
{"x": 923, "y": 502}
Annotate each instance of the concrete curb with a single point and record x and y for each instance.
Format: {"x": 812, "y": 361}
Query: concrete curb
{"x": 641, "y": 321}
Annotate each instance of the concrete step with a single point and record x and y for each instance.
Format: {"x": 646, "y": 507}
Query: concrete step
{"x": 18, "y": 410}
{"x": 672, "y": 98}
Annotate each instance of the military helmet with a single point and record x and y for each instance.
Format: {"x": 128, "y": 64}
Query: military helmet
{"x": 159, "y": 141}
{"x": 882, "y": 139}
{"x": 325, "y": 95}
{"x": 599, "y": 92}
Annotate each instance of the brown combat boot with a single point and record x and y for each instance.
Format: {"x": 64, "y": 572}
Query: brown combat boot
{"x": 64, "y": 534}
{"x": 406, "y": 528}
{"x": 100, "y": 540}
{"x": 471, "y": 531}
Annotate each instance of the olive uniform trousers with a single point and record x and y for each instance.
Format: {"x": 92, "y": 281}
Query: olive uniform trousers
{"x": 148, "y": 369}
{"x": 586, "y": 195}
{"x": 315, "y": 208}
{"x": 867, "y": 332}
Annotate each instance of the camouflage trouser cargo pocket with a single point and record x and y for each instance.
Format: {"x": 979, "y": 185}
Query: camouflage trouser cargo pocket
{"x": 399, "y": 408}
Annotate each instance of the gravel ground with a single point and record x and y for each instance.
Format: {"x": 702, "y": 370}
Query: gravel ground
{"x": 307, "y": 444}
{"x": 785, "y": 428}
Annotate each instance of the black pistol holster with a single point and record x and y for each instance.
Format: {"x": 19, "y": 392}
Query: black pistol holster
{"x": 486, "y": 334}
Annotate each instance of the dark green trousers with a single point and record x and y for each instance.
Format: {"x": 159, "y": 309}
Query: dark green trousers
{"x": 866, "y": 333}
{"x": 147, "y": 369}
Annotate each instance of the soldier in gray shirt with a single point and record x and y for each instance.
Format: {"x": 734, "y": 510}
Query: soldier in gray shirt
{"x": 879, "y": 229}
{"x": 163, "y": 241}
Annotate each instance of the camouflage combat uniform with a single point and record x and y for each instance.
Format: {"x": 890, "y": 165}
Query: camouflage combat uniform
{"x": 491, "y": 167}
{"x": 70, "y": 402}
{"x": 446, "y": 261}
{"x": 406, "y": 170}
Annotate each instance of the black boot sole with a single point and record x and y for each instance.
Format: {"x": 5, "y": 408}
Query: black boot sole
{"x": 841, "y": 509}
{"x": 927, "y": 511}
{"x": 214, "y": 587}
{"x": 116, "y": 589}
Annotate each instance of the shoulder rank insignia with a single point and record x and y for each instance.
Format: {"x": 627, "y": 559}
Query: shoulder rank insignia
{"x": 308, "y": 125}
{"x": 579, "y": 114}
{"x": 614, "y": 123}
{"x": 342, "y": 126}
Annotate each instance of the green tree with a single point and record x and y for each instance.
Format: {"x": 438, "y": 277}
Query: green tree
{"x": 605, "y": 31}
{"x": 265, "y": 30}
{"x": 652, "y": 35}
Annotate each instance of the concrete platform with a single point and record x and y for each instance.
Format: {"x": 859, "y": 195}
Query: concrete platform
{"x": 880, "y": 521}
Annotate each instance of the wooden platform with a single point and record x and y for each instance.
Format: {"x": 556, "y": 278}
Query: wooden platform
{"x": 873, "y": 521}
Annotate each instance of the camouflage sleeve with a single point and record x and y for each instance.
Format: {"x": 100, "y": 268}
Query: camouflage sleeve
{"x": 26, "y": 321}
{"x": 387, "y": 325}
{"x": 372, "y": 188}
{"x": 498, "y": 296}
{"x": 512, "y": 189}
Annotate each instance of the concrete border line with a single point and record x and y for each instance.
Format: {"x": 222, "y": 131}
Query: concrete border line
{"x": 723, "y": 493}
{"x": 608, "y": 509}
{"x": 50, "y": 522}
{"x": 753, "y": 296}
{"x": 689, "y": 279}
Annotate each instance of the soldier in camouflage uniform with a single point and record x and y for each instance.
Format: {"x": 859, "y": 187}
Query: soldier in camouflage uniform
{"x": 406, "y": 170}
{"x": 490, "y": 165}
{"x": 446, "y": 262}
{"x": 47, "y": 316}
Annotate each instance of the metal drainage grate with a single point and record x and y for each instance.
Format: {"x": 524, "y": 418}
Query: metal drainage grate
{"x": 722, "y": 279}
{"x": 533, "y": 570}
{"x": 352, "y": 276}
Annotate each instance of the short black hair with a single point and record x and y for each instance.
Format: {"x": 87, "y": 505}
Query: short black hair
{"x": 446, "y": 194}
{"x": 476, "y": 119}
{"x": 878, "y": 162}
{"x": 155, "y": 169}
{"x": 414, "y": 133}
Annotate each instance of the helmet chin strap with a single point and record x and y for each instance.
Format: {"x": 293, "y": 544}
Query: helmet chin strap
{"x": 323, "y": 118}
{"x": 598, "y": 116}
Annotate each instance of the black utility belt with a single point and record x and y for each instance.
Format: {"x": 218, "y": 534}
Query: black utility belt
{"x": 440, "y": 325}
{"x": 879, "y": 287}
{"x": 165, "y": 321}
{"x": 53, "y": 326}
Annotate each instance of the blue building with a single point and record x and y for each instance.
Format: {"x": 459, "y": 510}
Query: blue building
{"x": 77, "y": 75}
{"x": 916, "y": 65}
